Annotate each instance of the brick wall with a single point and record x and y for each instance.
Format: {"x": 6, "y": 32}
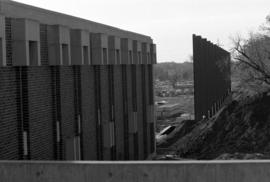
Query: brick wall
{"x": 105, "y": 108}
{"x": 119, "y": 120}
{"x": 9, "y": 143}
{"x": 67, "y": 108}
{"x": 34, "y": 99}
{"x": 41, "y": 130}
{"x": 140, "y": 112}
{"x": 89, "y": 118}
{"x": 130, "y": 112}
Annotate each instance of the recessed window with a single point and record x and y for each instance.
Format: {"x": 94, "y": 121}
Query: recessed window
{"x": 65, "y": 57}
{"x": 140, "y": 57}
{"x": 104, "y": 56}
{"x": 33, "y": 53}
{"x": 117, "y": 56}
{"x": 85, "y": 55}
{"x": 1, "y": 50}
{"x": 130, "y": 56}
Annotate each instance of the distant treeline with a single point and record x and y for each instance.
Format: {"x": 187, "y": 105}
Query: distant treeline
{"x": 171, "y": 71}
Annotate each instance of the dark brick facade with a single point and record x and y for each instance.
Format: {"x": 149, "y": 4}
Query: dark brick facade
{"x": 89, "y": 116}
{"x": 9, "y": 134}
{"x": 72, "y": 89}
{"x": 41, "y": 126}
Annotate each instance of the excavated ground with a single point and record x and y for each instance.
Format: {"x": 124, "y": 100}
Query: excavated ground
{"x": 241, "y": 130}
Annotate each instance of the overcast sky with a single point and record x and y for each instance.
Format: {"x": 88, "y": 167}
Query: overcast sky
{"x": 170, "y": 23}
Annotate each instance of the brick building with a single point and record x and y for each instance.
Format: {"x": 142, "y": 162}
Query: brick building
{"x": 72, "y": 89}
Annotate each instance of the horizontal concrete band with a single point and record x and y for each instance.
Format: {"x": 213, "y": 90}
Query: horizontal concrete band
{"x": 70, "y": 41}
{"x": 188, "y": 171}
{"x": 60, "y": 45}
{"x": 18, "y": 10}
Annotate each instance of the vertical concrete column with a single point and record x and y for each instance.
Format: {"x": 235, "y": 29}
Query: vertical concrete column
{"x": 118, "y": 50}
{"x": 126, "y": 51}
{"x": 114, "y": 50}
{"x": 3, "y": 61}
{"x": 145, "y": 53}
{"x": 153, "y": 54}
{"x": 139, "y": 49}
{"x": 135, "y": 52}
{"x": 80, "y": 47}
{"x": 59, "y": 45}
{"x": 26, "y": 42}
{"x": 99, "y": 47}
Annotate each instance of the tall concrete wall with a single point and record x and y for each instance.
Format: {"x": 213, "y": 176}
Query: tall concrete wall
{"x": 212, "y": 82}
{"x": 203, "y": 171}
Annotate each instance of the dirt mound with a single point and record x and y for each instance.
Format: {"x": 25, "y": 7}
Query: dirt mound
{"x": 240, "y": 127}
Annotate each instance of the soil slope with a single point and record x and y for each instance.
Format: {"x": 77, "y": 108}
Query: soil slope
{"x": 241, "y": 128}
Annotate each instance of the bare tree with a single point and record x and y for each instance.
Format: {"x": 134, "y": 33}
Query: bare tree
{"x": 253, "y": 56}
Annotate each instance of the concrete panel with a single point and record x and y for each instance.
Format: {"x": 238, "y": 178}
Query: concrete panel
{"x": 135, "y": 51}
{"x": 114, "y": 48}
{"x": 59, "y": 45}
{"x": 99, "y": 46}
{"x": 126, "y": 50}
{"x": 25, "y": 42}
{"x": 99, "y": 40}
{"x": 145, "y": 53}
{"x": 80, "y": 47}
{"x": 153, "y": 53}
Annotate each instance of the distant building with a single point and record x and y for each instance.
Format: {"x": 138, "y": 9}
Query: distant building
{"x": 72, "y": 89}
{"x": 168, "y": 110}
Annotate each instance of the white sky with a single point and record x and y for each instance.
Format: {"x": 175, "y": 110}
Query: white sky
{"x": 170, "y": 23}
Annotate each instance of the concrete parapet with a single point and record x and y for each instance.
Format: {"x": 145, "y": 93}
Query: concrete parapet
{"x": 195, "y": 171}
{"x": 59, "y": 45}
{"x": 18, "y": 10}
{"x": 126, "y": 50}
{"x": 153, "y": 53}
{"x": 99, "y": 45}
{"x": 80, "y": 47}
{"x": 114, "y": 47}
{"x": 145, "y": 53}
{"x": 25, "y": 42}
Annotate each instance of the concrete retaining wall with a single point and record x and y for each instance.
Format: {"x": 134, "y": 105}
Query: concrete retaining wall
{"x": 204, "y": 171}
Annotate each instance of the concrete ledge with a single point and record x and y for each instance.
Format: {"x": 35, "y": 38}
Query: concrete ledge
{"x": 187, "y": 171}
